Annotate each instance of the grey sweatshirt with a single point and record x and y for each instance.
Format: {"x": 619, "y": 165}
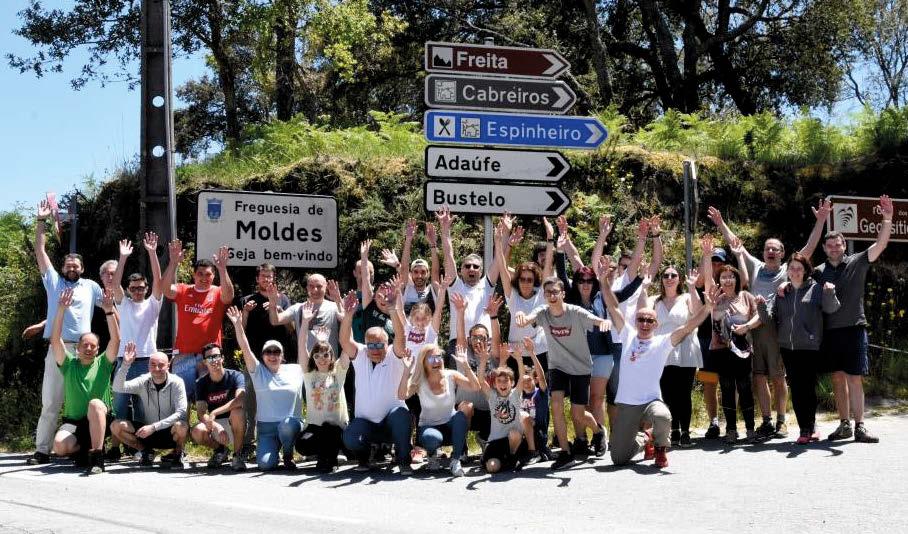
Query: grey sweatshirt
{"x": 798, "y": 315}
{"x": 163, "y": 407}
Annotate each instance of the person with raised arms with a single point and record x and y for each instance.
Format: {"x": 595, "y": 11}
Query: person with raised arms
{"x": 639, "y": 396}
{"x": 86, "y": 386}
{"x": 418, "y": 277}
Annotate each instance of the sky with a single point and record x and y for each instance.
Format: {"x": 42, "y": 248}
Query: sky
{"x": 51, "y": 137}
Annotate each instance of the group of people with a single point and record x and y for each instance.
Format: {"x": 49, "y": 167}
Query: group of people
{"x": 367, "y": 374}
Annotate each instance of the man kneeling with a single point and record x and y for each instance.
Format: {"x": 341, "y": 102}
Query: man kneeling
{"x": 220, "y": 405}
{"x": 163, "y": 397}
{"x": 639, "y": 397}
{"x": 86, "y": 386}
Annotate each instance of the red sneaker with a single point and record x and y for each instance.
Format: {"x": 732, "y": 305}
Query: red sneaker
{"x": 661, "y": 454}
{"x": 649, "y": 450}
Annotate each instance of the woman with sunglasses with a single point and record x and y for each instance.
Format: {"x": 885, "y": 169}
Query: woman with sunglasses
{"x": 278, "y": 391}
{"x": 734, "y": 314}
{"x": 798, "y": 316}
{"x": 440, "y": 423}
{"x": 326, "y": 404}
{"x": 674, "y": 308}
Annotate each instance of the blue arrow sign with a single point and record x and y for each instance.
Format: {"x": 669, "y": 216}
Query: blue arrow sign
{"x": 480, "y": 128}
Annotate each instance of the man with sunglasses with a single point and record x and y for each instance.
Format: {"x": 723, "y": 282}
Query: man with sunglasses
{"x": 139, "y": 312}
{"x": 379, "y": 415}
{"x": 639, "y": 396}
{"x": 475, "y": 288}
{"x": 220, "y": 406}
{"x": 765, "y": 278}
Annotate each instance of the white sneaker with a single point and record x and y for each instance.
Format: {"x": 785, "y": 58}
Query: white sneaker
{"x": 432, "y": 463}
{"x": 456, "y": 469}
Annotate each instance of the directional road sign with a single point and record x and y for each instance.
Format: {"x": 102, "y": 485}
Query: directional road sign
{"x": 860, "y": 218}
{"x": 496, "y": 198}
{"x": 480, "y": 128}
{"x": 487, "y": 59}
{"x": 498, "y": 94}
{"x": 505, "y": 164}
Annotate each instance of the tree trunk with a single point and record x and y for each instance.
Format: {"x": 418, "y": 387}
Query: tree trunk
{"x": 226, "y": 72}
{"x": 285, "y": 58}
{"x": 600, "y": 61}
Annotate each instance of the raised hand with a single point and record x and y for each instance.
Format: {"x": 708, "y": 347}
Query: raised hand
{"x": 129, "y": 352}
{"x": 364, "y": 248}
{"x": 460, "y": 355}
{"x": 150, "y": 242}
{"x": 410, "y": 229}
{"x": 520, "y": 319}
{"x": 107, "y": 300}
{"x": 823, "y": 209}
{"x": 737, "y": 246}
{"x": 125, "y": 248}
{"x": 655, "y": 225}
{"x": 389, "y": 258}
{"x": 642, "y": 228}
{"x": 647, "y": 277}
{"x": 307, "y": 312}
{"x": 507, "y": 220}
{"x": 713, "y": 294}
{"x": 563, "y": 239}
{"x": 249, "y": 306}
{"x": 44, "y": 211}
{"x": 175, "y": 250}
{"x": 605, "y": 265}
{"x": 333, "y": 291}
{"x": 350, "y": 301}
{"x": 495, "y": 302}
{"x": 271, "y": 292}
{"x": 692, "y": 276}
{"x": 605, "y": 225}
{"x": 431, "y": 236}
{"x": 235, "y": 316}
{"x": 458, "y": 301}
{"x": 549, "y": 230}
{"x": 886, "y": 207}
{"x": 562, "y": 224}
{"x": 66, "y": 298}
{"x": 220, "y": 257}
{"x": 516, "y": 236}
{"x": 714, "y": 215}
{"x": 707, "y": 243}
{"x": 322, "y": 333}
{"x": 445, "y": 219}
{"x": 529, "y": 346}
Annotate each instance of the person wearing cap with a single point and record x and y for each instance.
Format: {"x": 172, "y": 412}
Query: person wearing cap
{"x": 708, "y": 374}
{"x": 200, "y": 311}
{"x": 220, "y": 406}
{"x": 416, "y": 279}
{"x": 765, "y": 278}
{"x": 279, "y": 398}
{"x": 379, "y": 415}
{"x": 734, "y": 314}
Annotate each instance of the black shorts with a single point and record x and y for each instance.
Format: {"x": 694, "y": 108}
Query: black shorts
{"x": 82, "y": 431}
{"x": 161, "y": 439}
{"x": 481, "y": 422}
{"x": 501, "y": 449}
{"x": 845, "y": 349}
{"x": 575, "y": 387}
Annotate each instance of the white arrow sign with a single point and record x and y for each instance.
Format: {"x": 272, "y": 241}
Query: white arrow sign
{"x": 495, "y": 164}
{"x": 496, "y": 198}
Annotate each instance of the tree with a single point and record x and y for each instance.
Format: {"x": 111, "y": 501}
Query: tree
{"x": 878, "y": 72}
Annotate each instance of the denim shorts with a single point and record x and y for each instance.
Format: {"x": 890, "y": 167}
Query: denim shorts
{"x": 602, "y": 365}
{"x": 187, "y": 369}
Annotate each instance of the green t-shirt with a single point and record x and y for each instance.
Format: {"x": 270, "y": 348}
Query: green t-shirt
{"x": 81, "y": 383}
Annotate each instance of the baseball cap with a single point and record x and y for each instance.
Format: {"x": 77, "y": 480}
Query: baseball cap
{"x": 420, "y": 262}
{"x": 720, "y": 253}
{"x": 272, "y": 343}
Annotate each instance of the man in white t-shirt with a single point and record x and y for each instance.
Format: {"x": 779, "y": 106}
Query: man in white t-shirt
{"x": 475, "y": 288}
{"x": 379, "y": 416}
{"x": 639, "y": 396}
{"x": 139, "y": 312}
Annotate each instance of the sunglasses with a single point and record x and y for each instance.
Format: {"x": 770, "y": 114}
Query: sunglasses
{"x": 553, "y": 292}
{"x": 137, "y": 288}
{"x": 646, "y": 320}
{"x": 434, "y": 358}
{"x": 587, "y": 280}
{"x": 472, "y": 266}
{"x": 214, "y": 358}
{"x": 667, "y": 276}
{"x": 272, "y": 352}
{"x": 375, "y": 346}
{"x": 479, "y": 338}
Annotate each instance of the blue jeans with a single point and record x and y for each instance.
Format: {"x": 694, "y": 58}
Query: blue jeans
{"x": 361, "y": 433}
{"x": 454, "y": 432}
{"x": 125, "y": 406}
{"x": 274, "y": 438}
{"x": 187, "y": 369}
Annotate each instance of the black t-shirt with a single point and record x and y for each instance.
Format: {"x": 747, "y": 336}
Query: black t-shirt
{"x": 259, "y": 328}
{"x": 217, "y": 394}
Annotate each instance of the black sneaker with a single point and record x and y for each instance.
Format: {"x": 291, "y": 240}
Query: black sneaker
{"x": 676, "y": 437}
{"x": 38, "y": 458}
{"x": 238, "y": 464}
{"x": 765, "y": 431}
{"x": 95, "y": 463}
{"x": 113, "y": 455}
{"x": 562, "y": 460}
{"x": 288, "y": 462}
{"x": 781, "y": 431}
{"x": 862, "y": 435}
{"x": 842, "y": 432}
{"x": 218, "y": 458}
{"x": 249, "y": 454}
{"x": 684, "y": 442}
{"x": 713, "y": 431}
{"x": 580, "y": 447}
{"x": 599, "y": 443}
{"x": 80, "y": 459}
{"x": 146, "y": 458}
{"x": 171, "y": 460}
{"x": 404, "y": 468}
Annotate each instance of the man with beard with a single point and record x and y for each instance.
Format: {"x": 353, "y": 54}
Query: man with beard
{"x": 416, "y": 279}
{"x": 86, "y": 294}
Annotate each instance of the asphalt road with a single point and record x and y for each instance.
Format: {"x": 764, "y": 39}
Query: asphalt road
{"x": 777, "y": 486}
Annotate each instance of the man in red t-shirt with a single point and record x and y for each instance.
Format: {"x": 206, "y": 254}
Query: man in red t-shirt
{"x": 200, "y": 311}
